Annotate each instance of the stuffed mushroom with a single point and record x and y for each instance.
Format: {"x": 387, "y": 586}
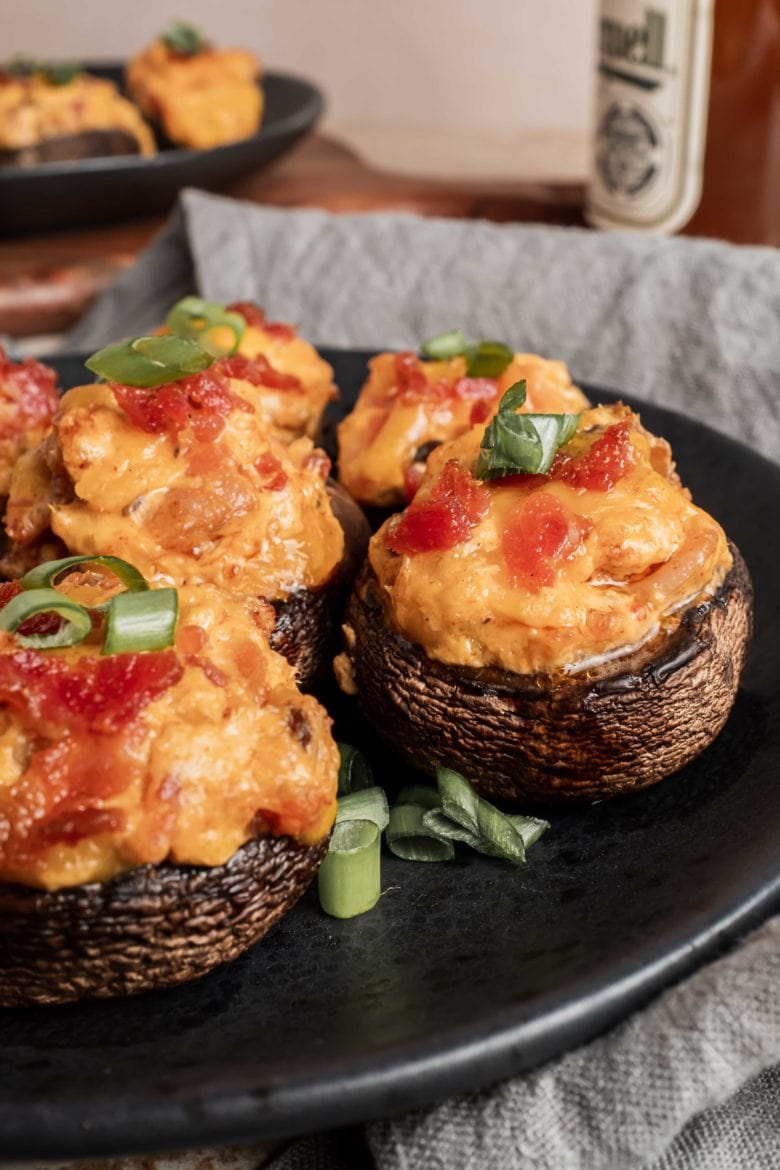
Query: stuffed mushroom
{"x": 166, "y": 792}
{"x": 185, "y": 480}
{"x": 28, "y": 400}
{"x": 409, "y": 405}
{"x": 62, "y": 114}
{"x": 197, "y": 95}
{"x": 578, "y": 632}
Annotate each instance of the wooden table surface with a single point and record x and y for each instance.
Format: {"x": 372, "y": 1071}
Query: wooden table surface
{"x": 46, "y": 282}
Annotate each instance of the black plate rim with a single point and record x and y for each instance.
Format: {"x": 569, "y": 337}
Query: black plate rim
{"x": 312, "y": 104}
{"x": 464, "y": 1056}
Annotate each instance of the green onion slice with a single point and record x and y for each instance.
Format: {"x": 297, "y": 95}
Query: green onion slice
{"x": 349, "y": 877}
{"x": 200, "y": 320}
{"x": 474, "y": 820}
{"x": 410, "y": 837}
{"x": 78, "y": 623}
{"x": 484, "y": 359}
{"x": 183, "y": 39}
{"x": 422, "y": 794}
{"x": 45, "y": 576}
{"x": 354, "y": 771}
{"x": 529, "y": 828}
{"x": 149, "y": 361}
{"x": 141, "y": 621}
{"x": 527, "y": 443}
{"x": 368, "y": 804}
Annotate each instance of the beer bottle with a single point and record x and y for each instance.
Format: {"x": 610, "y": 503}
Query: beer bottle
{"x": 687, "y": 130}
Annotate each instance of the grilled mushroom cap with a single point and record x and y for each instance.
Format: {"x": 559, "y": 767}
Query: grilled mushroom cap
{"x": 306, "y": 622}
{"x": 535, "y": 738}
{"x": 148, "y": 928}
{"x": 72, "y": 147}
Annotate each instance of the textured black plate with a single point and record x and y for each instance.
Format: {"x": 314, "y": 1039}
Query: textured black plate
{"x": 72, "y": 194}
{"x": 464, "y": 973}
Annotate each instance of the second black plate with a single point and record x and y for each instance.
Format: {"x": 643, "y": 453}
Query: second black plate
{"x": 93, "y": 191}
{"x": 463, "y": 973}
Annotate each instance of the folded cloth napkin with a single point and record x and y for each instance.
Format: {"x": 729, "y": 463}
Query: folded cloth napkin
{"x": 688, "y": 1083}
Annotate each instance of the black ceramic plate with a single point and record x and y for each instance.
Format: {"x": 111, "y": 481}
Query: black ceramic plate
{"x": 73, "y": 194}
{"x": 464, "y": 973}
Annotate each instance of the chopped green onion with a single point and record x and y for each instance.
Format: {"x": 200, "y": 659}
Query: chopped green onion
{"x": 409, "y": 836}
{"x": 22, "y": 607}
{"x": 466, "y": 816}
{"x": 200, "y": 321}
{"x": 349, "y": 877}
{"x": 529, "y": 828}
{"x": 183, "y": 39}
{"x": 451, "y": 344}
{"x": 527, "y": 443}
{"x": 45, "y": 576}
{"x": 354, "y": 771}
{"x": 369, "y": 804}
{"x": 422, "y": 794}
{"x": 149, "y": 361}
{"x": 141, "y": 621}
{"x": 484, "y": 359}
{"x": 487, "y": 359}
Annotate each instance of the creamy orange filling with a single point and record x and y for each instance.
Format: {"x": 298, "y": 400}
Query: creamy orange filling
{"x": 393, "y": 419}
{"x": 242, "y": 511}
{"x": 202, "y": 101}
{"x": 229, "y": 751}
{"x": 551, "y": 576}
{"x": 32, "y": 109}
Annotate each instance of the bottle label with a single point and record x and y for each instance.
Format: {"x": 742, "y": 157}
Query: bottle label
{"x": 651, "y": 113}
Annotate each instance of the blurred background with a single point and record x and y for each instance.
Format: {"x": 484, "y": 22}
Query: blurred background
{"x": 514, "y": 100}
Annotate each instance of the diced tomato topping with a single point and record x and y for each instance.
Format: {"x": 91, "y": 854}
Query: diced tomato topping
{"x": 319, "y": 462}
{"x": 271, "y": 472}
{"x": 599, "y": 468}
{"x": 257, "y": 370}
{"x": 540, "y": 538}
{"x": 91, "y": 694}
{"x": 456, "y": 505}
{"x": 29, "y": 390}
{"x": 202, "y": 402}
{"x": 255, "y": 316}
{"x": 71, "y": 827}
{"x": 41, "y": 623}
{"x": 411, "y": 381}
{"x": 480, "y": 412}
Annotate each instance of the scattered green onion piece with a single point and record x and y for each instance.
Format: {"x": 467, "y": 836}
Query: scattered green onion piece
{"x": 368, "y": 804}
{"x": 349, "y": 877}
{"x": 409, "y": 837}
{"x": 354, "y": 771}
{"x": 487, "y": 359}
{"x": 451, "y": 344}
{"x": 22, "y": 607}
{"x": 141, "y": 621}
{"x": 149, "y": 361}
{"x": 459, "y": 801}
{"x": 525, "y": 443}
{"x": 196, "y": 319}
{"x": 183, "y": 39}
{"x": 422, "y": 794}
{"x": 45, "y": 576}
{"x": 529, "y": 828}
{"x": 489, "y": 830}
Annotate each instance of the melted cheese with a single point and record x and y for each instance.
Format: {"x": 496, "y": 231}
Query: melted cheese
{"x": 137, "y": 498}
{"x": 205, "y": 100}
{"x": 378, "y": 440}
{"x": 291, "y": 413}
{"x": 650, "y": 551}
{"x": 32, "y": 110}
{"x": 204, "y": 760}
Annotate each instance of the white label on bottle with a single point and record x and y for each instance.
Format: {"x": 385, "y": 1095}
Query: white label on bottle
{"x": 651, "y": 113}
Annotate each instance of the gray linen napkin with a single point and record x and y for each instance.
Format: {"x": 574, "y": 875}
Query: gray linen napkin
{"x": 688, "y": 1083}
